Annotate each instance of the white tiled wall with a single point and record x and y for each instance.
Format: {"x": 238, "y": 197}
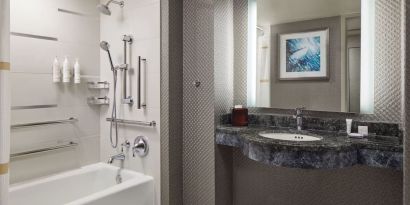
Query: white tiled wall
{"x": 31, "y": 83}
{"x": 141, "y": 19}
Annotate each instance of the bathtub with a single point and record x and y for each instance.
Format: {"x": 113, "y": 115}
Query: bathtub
{"x": 94, "y": 185}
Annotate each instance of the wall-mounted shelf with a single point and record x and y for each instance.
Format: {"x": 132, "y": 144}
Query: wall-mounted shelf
{"x": 98, "y": 85}
{"x": 98, "y": 100}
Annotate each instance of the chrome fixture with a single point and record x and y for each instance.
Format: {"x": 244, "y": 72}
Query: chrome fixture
{"x": 121, "y": 158}
{"x": 98, "y": 85}
{"x": 69, "y": 120}
{"x": 105, "y": 9}
{"x": 133, "y": 122}
{"x": 140, "y": 146}
{"x": 106, "y": 47}
{"x": 127, "y": 39}
{"x": 43, "y": 150}
{"x": 196, "y": 83}
{"x": 98, "y": 100}
{"x": 299, "y": 117}
{"x": 141, "y": 81}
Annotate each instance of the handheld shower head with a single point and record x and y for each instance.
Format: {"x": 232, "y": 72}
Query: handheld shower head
{"x": 105, "y": 9}
{"x": 106, "y": 47}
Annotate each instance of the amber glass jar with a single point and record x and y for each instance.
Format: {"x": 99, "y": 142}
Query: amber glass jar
{"x": 239, "y": 117}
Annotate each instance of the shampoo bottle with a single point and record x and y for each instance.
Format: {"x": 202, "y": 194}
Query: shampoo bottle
{"x": 66, "y": 71}
{"x": 56, "y": 71}
{"x": 77, "y": 72}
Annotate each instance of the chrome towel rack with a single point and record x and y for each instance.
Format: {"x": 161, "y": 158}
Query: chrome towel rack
{"x": 133, "y": 122}
{"x": 69, "y": 120}
{"x": 44, "y": 150}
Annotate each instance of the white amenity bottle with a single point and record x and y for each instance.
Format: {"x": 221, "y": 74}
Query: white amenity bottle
{"x": 56, "y": 71}
{"x": 77, "y": 72}
{"x": 66, "y": 71}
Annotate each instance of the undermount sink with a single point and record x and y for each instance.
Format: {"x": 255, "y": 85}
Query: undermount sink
{"x": 290, "y": 137}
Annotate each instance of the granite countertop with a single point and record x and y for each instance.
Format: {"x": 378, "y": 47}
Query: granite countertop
{"x": 335, "y": 150}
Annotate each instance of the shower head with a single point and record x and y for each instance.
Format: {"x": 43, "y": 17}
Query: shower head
{"x": 105, "y": 46}
{"x": 105, "y": 9}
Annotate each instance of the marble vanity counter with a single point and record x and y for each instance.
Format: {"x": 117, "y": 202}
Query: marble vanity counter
{"x": 335, "y": 150}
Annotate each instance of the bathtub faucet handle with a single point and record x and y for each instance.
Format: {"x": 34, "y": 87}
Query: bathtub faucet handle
{"x": 125, "y": 144}
{"x": 140, "y": 146}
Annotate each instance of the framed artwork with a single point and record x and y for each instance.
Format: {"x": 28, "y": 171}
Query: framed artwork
{"x": 304, "y": 55}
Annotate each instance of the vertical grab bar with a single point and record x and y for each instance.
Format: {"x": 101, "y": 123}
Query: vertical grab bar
{"x": 141, "y": 82}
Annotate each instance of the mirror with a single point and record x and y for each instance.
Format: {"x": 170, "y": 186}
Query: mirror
{"x": 311, "y": 54}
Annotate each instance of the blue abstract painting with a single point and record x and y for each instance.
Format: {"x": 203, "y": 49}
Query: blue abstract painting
{"x": 303, "y": 54}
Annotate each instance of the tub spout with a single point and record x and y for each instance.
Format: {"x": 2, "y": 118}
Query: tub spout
{"x": 120, "y": 157}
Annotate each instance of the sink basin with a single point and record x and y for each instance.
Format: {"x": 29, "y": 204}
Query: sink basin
{"x": 290, "y": 137}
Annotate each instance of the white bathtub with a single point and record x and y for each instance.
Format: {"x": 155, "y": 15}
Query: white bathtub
{"x": 93, "y": 185}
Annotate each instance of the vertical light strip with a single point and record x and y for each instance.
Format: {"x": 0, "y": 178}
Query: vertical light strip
{"x": 4, "y": 100}
{"x": 367, "y": 57}
{"x": 252, "y": 46}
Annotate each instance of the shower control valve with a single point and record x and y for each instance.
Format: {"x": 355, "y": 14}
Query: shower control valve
{"x": 140, "y": 146}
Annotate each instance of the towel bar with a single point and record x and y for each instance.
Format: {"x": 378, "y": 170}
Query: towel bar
{"x": 69, "y": 120}
{"x": 43, "y": 150}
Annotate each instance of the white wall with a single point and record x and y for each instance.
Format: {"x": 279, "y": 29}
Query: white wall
{"x": 31, "y": 84}
{"x": 141, "y": 19}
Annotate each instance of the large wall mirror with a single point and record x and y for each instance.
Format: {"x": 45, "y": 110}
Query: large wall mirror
{"x": 313, "y": 53}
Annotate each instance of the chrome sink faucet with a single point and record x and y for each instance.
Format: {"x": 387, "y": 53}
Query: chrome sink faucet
{"x": 299, "y": 117}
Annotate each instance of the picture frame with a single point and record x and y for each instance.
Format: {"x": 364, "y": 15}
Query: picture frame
{"x": 304, "y": 55}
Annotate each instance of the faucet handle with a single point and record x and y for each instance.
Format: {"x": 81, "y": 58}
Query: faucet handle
{"x": 299, "y": 110}
{"x": 140, "y": 146}
{"x": 125, "y": 144}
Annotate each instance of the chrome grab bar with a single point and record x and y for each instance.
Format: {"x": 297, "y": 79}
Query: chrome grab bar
{"x": 133, "y": 122}
{"x": 43, "y": 150}
{"x": 69, "y": 120}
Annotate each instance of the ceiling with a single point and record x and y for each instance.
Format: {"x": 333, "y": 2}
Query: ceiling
{"x": 271, "y": 12}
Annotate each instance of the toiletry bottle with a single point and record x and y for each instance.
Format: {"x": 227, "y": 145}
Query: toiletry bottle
{"x": 349, "y": 126}
{"x": 77, "y": 73}
{"x": 56, "y": 71}
{"x": 239, "y": 116}
{"x": 66, "y": 71}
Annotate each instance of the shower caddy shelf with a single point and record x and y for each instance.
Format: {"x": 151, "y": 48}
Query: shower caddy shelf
{"x": 98, "y": 85}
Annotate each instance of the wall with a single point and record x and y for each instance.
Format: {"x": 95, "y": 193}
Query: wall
{"x": 61, "y": 27}
{"x": 198, "y": 103}
{"x": 171, "y": 102}
{"x": 317, "y": 94}
{"x": 141, "y": 19}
